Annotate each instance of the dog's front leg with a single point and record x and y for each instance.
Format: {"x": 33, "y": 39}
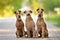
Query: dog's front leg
{"x": 42, "y": 32}
{"x": 23, "y": 33}
{"x": 28, "y": 34}
{"x": 17, "y": 34}
{"x": 46, "y": 33}
{"x": 34, "y": 33}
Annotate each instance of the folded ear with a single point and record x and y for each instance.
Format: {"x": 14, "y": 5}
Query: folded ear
{"x": 25, "y": 11}
{"x": 37, "y": 9}
{"x": 30, "y": 11}
{"x": 14, "y": 12}
{"x": 42, "y": 9}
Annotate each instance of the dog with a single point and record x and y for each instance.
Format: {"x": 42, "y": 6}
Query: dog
{"x": 41, "y": 25}
{"x": 30, "y": 25}
{"x": 19, "y": 24}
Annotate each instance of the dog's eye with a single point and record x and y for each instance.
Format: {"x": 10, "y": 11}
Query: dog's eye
{"x": 30, "y": 11}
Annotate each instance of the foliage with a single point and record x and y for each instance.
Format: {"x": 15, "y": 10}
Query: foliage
{"x": 54, "y": 18}
{"x": 16, "y": 4}
{"x": 49, "y": 5}
{"x": 8, "y": 6}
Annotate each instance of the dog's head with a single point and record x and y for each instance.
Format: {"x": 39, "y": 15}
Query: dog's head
{"x": 40, "y": 11}
{"x": 27, "y": 12}
{"x": 17, "y": 13}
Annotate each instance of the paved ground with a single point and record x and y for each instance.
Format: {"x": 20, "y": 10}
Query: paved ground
{"x": 7, "y": 30}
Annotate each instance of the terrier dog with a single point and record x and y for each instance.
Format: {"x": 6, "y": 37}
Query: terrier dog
{"x": 19, "y": 25}
{"x": 41, "y": 25}
{"x": 30, "y": 25}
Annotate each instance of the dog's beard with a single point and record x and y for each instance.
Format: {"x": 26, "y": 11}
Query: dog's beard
{"x": 19, "y": 19}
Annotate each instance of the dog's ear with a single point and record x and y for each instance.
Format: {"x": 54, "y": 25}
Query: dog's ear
{"x": 19, "y": 11}
{"x": 37, "y": 9}
{"x": 30, "y": 11}
{"x": 14, "y": 12}
{"x": 42, "y": 9}
{"x": 25, "y": 11}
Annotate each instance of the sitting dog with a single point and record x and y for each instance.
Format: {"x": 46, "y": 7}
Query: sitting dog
{"x": 19, "y": 25}
{"x": 41, "y": 25}
{"x": 30, "y": 25}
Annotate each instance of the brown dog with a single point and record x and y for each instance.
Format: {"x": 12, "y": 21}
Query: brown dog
{"x": 30, "y": 25}
{"x": 19, "y": 25}
{"x": 41, "y": 25}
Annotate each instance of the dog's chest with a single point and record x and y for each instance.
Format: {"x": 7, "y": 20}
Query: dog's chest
{"x": 19, "y": 24}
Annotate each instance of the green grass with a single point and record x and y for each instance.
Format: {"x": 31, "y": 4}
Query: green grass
{"x": 54, "y": 18}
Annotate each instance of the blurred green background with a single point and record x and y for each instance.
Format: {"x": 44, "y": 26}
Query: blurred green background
{"x": 51, "y": 7}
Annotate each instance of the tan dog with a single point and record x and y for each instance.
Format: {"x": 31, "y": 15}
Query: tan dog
{"x": 19, "y": 25}
{"x": 41, "y": 25}
{"x": 30, "y": 25}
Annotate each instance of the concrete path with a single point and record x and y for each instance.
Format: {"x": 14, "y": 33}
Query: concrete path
{"x": 7, "y": 30}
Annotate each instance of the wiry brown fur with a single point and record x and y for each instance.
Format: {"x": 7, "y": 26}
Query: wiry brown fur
{"x": 41, "y": 25}
{"x": 19, "y": 25}
{"x": 30, "y": 25}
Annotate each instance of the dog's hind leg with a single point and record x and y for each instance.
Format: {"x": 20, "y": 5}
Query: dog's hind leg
{"x": 46, "y": 34}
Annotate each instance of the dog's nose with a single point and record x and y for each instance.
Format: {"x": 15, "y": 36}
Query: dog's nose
{"x": 19, "y": 16}
{"x": 39, "y": 15}
{"x": 28, "y": 14}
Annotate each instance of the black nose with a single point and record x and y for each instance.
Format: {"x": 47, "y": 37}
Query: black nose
{"x": 19, "y": 16}
{"x": 28, "y": 14}
{"x": 39, "y": 15}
